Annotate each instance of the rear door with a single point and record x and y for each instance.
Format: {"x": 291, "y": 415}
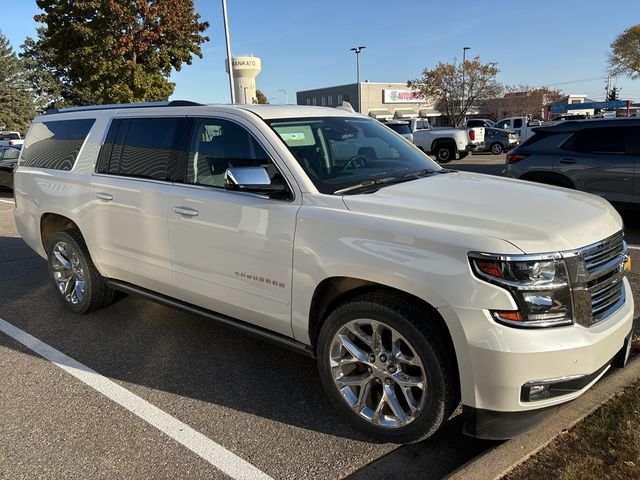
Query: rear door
{"x": 130, "y": 199}
{"x": 598, "y": 160}
{"x": 232, "y": 251}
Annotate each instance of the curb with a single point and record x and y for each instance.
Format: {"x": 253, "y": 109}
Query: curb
{"x": 508, "y": 455}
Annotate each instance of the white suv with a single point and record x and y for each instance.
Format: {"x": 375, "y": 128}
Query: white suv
{"x": 415, "y": 287}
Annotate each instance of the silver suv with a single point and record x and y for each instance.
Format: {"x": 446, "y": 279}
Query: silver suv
{"x": 596, "y": 156}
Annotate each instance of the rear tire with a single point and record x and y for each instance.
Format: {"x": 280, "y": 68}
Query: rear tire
{"x": 444, "y": 152}
{"x": 76, "y": 279}
{"x": 399, "y": 389}
{"x": 497, "y": 148}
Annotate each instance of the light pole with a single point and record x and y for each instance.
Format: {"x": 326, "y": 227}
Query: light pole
{"x": 286, "y": 99}
{"x": 229, "y": 61}
{"x": 464, "y": 59}
{"x": 357, "y": 51}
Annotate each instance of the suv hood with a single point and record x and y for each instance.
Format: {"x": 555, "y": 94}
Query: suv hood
{"x": 535, "y": 218}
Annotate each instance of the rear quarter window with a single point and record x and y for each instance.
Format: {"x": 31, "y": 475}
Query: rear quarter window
{"x": 55, "y": 144}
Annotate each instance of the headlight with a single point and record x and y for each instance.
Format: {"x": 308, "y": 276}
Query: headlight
{"x": 539, "y": 284}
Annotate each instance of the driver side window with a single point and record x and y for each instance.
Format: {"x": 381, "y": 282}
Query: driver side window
{"x": 220, "y": 144}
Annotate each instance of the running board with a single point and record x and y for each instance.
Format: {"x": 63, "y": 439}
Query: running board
{"x": 220, "y": 319}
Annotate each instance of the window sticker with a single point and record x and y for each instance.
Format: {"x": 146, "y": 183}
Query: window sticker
{"x": 296, "y": 135}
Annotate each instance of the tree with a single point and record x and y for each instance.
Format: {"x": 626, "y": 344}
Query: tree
{"x": 16, "y": 104}
{"x": 46, "y": 82}
{"x": 444, "y": 85}
{"x": 260, "y": 98}
{"x": 624, "y": 58}
{"x": 111, "y": 51}
{"x": 522, "y": 100}
{"x": 613, "y": 94}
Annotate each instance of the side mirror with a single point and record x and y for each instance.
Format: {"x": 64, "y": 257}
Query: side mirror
{"x": 252, "y": 180}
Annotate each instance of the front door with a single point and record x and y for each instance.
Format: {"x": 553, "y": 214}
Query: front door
{"x": 232, "y": 252}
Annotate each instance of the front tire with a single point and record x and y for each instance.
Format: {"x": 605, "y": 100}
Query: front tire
{"x": 77, "y": 282}
{"x": 385, "y": 367}
{"x": 497, "y": 148}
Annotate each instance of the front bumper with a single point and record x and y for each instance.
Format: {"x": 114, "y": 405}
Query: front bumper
{"x": 497, "y": 362}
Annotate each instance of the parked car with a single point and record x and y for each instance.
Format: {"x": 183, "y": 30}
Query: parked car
{"x": 400, "y": 126}
{"x": 8, "y": 162}
{"x": 10, "y": 139}
{"x": 415, "y": 287}
{"x": 597, "y": 156}
{"x": 447, "y": 143}
{"x": 497, "y": 140}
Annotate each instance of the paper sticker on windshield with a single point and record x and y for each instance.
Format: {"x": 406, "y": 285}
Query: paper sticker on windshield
{"x": 293, "y": 137}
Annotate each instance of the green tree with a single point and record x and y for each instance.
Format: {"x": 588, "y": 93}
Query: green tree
{"x": 624, "y": 58}
{"x": 260, "y": 98}
{"x": 16, "y": 103}
{"x": 48, "y": 84}
{"x": 444, "y": 85}
{"x": 111, "y": 51}
{"x": 613, "y": 94}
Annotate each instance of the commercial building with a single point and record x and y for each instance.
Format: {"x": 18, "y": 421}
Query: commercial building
{"x": 382, "y": 101}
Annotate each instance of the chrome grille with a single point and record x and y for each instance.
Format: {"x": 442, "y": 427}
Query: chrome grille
{"x": 598, "y": 256}
{"x": 602, "y": 278}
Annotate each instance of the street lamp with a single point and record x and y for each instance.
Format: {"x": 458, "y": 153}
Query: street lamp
{"x": 357, "y": 51}
{"x": 464, "y": 59}
{"x": 228, "y": 41}
{"x": 286, "y": 99}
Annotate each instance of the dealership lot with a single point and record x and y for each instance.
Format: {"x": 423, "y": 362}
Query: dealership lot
{"x": 257, "y": 401}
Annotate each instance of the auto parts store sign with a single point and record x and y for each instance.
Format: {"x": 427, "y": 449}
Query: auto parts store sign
{"x": 401, "y": 96}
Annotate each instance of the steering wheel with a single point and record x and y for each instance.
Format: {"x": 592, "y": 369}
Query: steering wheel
{"x": 355, "y": 162}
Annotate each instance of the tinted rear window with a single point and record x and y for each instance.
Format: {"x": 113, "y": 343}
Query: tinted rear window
{"x": 609, "y": 140}
{"x": 401, "y": 128}
{"x": 147, "y": 147}
{"x": 152, "y": 148}
{"x": 55, "y": 144}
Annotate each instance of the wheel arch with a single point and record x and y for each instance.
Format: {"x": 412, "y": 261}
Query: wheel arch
{"x": 549, "y": 178}
{"x": 334, "y": 291}
{"x": 50, "y": 223}
{"x": 446, "y": 141}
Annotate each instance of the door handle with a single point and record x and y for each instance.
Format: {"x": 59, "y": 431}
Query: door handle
{"x": 104, "y": 196}
{"x": 185, "y": 211}
{"x": 568, "y": 161}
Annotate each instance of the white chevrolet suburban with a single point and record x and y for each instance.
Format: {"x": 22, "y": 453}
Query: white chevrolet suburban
{"x": 415, "y": 287}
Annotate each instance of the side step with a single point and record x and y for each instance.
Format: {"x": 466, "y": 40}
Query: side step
{"x": 220, "y": 319}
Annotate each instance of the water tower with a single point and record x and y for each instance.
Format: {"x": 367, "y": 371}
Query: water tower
{"x": 245, "y": 70}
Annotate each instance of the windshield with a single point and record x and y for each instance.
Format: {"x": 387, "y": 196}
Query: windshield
{"x": 338, "y": 152}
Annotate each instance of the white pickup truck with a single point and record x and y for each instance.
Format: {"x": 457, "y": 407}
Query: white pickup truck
{"x": 10, "y": 139}
{"x": 523, "y": 126}
{"x": 445, "y": 143}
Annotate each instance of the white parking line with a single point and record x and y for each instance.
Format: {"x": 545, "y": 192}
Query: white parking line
{"x": 633, "y": 247}
{"x": 7, "y": 201}
{"x": 212, "y": 452}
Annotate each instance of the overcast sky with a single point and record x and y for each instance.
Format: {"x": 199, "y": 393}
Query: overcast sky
{"x": 305, "y": 45}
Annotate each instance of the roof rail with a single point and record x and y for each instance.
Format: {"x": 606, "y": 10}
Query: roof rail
{"x": 113, "y": 106}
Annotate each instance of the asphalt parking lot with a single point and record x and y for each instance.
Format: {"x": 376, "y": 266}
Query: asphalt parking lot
{"x": 244, "y": 399}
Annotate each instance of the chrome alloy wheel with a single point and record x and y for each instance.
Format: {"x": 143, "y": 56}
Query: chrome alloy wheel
{"x": 68, "y": 273}
{"x": 378, "y": 373}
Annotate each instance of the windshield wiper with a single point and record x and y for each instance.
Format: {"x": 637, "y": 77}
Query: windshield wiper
{"x": 368, "y": 184}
